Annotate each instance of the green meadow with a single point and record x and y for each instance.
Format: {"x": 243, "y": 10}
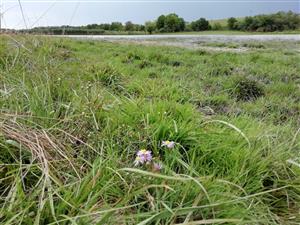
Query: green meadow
{"x": 75, "y": 113}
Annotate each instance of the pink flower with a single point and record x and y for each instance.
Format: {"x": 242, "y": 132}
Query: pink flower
{"x": 168, "y": 144}
{"x": 157, "y": 167}
{"x": 142, "y": 156}
{"x": 138, "y": 160}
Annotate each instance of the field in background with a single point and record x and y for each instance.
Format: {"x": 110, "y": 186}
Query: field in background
{"x": 235, "y": 32}
{"x": 223, "y": 22}
{"x": 74, "y": 114}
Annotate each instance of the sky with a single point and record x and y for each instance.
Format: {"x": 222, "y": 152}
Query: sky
{"x": 69, "y": 12}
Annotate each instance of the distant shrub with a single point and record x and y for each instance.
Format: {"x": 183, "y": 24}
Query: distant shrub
{"x": 170, "y": 23}
{"x": 200, "y": 25}
{"x": 247, "y": 90}
{"x": 267, "y": 23}
{"x": 232, "y": 23}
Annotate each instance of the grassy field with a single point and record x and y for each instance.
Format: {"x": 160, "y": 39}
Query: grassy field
{"x": 208, "y": 32}
{"x": 74, "y": 114}
{"x": 224, "y": 22}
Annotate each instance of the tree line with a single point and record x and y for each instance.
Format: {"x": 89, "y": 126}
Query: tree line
{"x": 173, "y": 23}
{"x": 266, "y": 23}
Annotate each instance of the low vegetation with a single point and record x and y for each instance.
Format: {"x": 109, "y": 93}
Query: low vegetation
{"x": 107, "y": 133}
{"x": 266, "y": 23}
{"x": 281, "y": 21}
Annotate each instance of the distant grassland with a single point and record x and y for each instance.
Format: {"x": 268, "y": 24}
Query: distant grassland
{"x": 223, "y": 22}
{"x": 75, "y": 113}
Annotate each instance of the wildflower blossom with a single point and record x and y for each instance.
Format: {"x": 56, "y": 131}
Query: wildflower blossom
{"x": 168, "y": 144}
{"x": 138, "y": 160}
{"x": 142, "y": 156}
{"x": 157, "y": 167}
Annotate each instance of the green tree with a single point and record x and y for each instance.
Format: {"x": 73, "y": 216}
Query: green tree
{"x": 105, "y": 26}
{"x": 117, "y": 26}
{"x": 200, "y": 25}
{"x": 150, "y": 26}
{"x": 141, "y": 27}
{"x": 92, "y": 26}
{"x": 173, "y": 23}
{"x": 160, "y": 22}
{"x": 248, "y": 23}
{"x": 129, "y": 26}
{"x": 232, "y": 23}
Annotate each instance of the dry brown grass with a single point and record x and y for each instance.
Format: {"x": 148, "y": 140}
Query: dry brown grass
{"x": 45, "y": 149}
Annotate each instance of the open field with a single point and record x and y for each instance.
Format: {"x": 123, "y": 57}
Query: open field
{"x": 192, "y": 37}
{"x": 207, "y": 32}
{"x": 223, "y": 43}
{"x": 74, "y": 113}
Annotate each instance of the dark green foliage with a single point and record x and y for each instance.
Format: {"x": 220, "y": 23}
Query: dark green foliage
{"x": 200, "y": 25}
{"x": 91, "y": 29}
{"x": 247, "y": 90}
{"x": 129, "y": 26}
{"x": 232, "y": 23}
{"x": 116, "y": 26}
{"x": 65, "y": 30}
{"x": 268, "y": 23}
{"x": 173, "y": 23}
{"x": 160, "y": 22}
{"x": 170, "y": 23}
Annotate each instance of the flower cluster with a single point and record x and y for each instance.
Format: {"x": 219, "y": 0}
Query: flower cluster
{"x": 144, "y": 157}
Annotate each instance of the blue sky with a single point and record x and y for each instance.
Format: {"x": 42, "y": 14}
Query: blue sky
{"x": 47, "y": 12}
